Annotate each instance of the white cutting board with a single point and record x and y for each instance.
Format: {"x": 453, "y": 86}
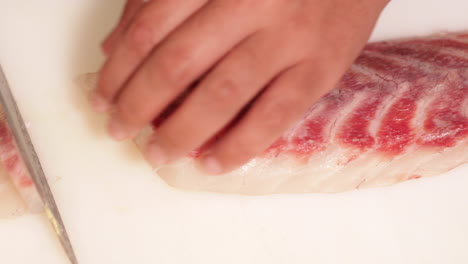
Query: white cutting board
{"x": 118, "y": 211}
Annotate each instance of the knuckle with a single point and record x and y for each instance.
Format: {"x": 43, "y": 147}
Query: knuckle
{"x": 224, "y": 90}
{"x": 140, "y": 36}
{"x": 277, "y": 114}
{"x": 175, "y": 67}
{"x": 251, "y": 55}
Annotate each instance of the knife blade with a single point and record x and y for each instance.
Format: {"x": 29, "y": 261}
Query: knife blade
{"x": 33, "y": 165}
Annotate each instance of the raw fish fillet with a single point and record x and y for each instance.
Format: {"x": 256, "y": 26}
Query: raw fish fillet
{"x": 17, "y": 192}
{"x": 399, "y": 113}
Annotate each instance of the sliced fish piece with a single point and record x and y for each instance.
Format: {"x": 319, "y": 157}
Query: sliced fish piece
{"x": 17, "y": 192}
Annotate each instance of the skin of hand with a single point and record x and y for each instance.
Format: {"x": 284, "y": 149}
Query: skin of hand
{"x": 279, "y": 56}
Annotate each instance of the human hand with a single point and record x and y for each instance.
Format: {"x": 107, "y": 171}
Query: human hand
{"x": 279, "y": 55}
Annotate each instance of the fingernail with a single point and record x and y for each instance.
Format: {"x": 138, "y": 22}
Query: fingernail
{"x": 156, "y": 155}
{"x": 117, "y": 129}
{"x": 212, "y": 165}
{"x": 98, "y": 102}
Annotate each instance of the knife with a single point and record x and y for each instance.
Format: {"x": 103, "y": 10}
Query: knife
{"x": 33, "y": 165}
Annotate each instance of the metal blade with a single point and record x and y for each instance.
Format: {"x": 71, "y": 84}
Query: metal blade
{"x": 30, "y": 159}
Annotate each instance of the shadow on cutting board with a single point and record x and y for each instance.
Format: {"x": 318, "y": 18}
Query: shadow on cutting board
{"x": 97, "y": 20}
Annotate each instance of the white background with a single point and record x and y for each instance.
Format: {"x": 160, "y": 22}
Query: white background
{"x": 118, "y": 211}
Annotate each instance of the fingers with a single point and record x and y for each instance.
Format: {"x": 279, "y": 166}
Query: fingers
{"x": 130, "y": 9}
{"x": 166, "y": 46}
{"x": 178, "y": 61}
{"x": 222, "y": 94}
{"x": 152, "y": 23}
{"x": 277, "y": 109}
